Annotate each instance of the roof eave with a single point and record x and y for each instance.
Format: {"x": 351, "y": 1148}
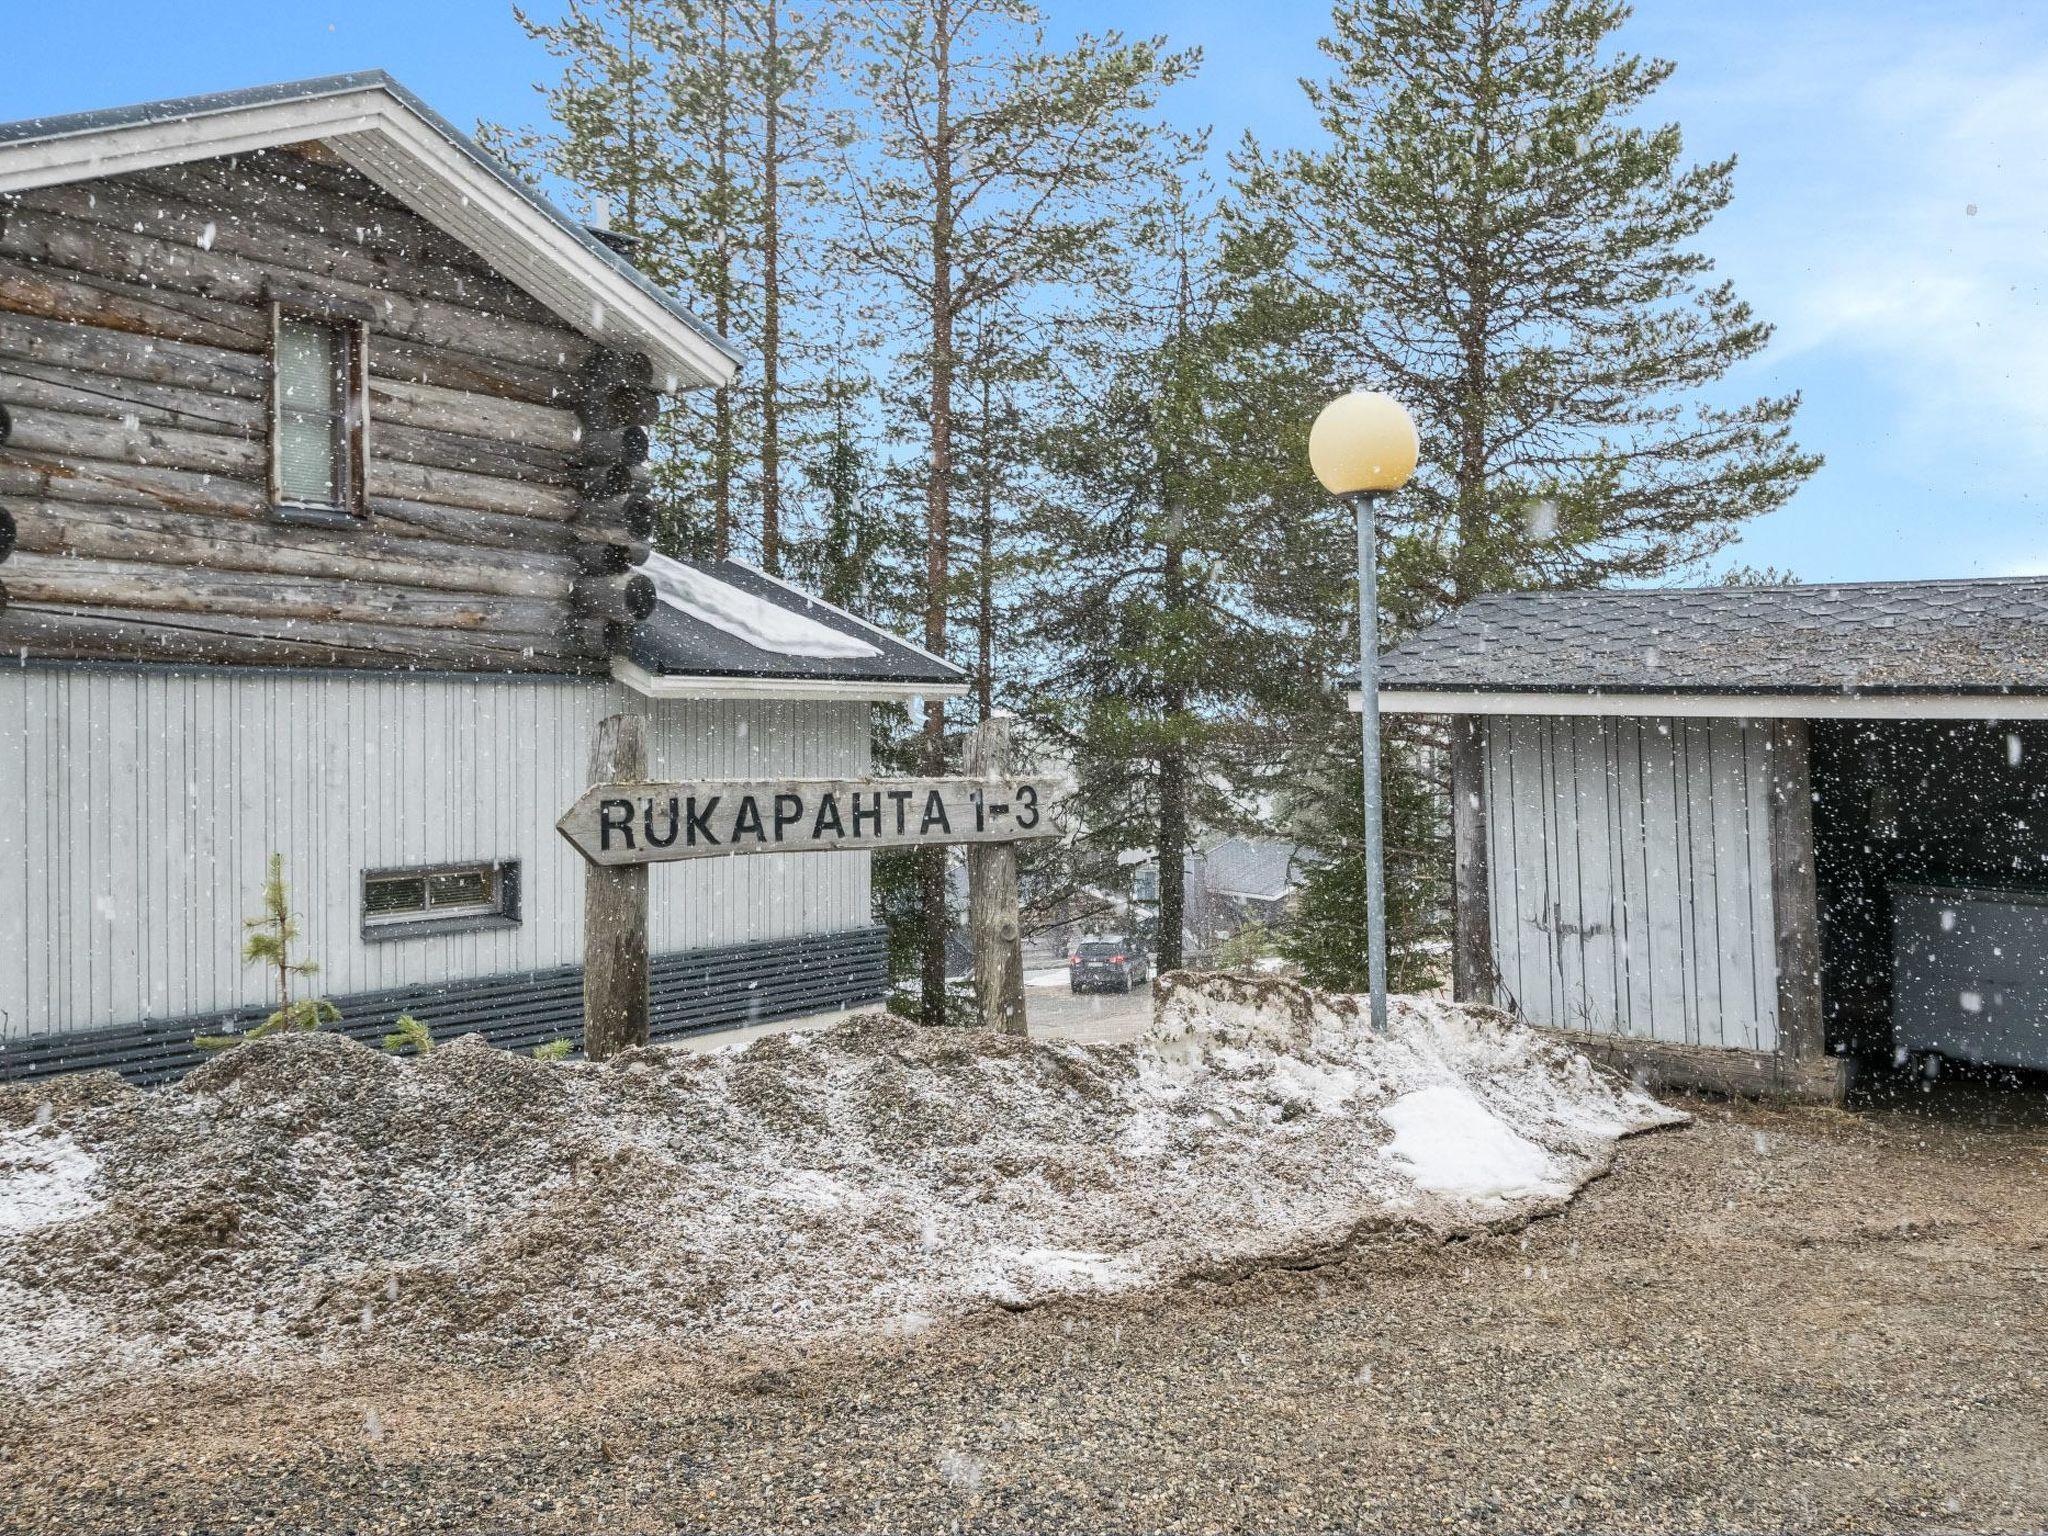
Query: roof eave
{"x": 388, "y": 134}
{"x": 1708, "y": 703}
{"x": 673, "y": 685}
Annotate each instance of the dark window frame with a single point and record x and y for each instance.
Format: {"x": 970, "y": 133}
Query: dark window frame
{"x": 504, "y": 912}
{"x": 349, "y": 324}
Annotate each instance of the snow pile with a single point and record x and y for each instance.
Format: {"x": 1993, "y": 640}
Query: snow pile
{"x": 305, "y": 1195}
{"x": 44, "y": 1179}
{"x": 764, "y": 625}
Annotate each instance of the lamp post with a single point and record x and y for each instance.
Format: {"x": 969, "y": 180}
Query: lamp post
{"x": 1363, "y": 446}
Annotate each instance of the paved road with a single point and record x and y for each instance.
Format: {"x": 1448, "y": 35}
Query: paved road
{"x": 1057, "y": 1013}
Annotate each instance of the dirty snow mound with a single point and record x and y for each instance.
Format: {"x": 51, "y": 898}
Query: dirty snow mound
{"x": 305, "y": 1196}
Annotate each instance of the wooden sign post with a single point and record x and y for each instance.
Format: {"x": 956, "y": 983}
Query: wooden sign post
{"x": 623, "y": 823}
{"x": 615, "y": 912}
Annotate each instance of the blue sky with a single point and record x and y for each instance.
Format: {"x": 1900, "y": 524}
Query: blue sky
{"x": 1891, "y": 212}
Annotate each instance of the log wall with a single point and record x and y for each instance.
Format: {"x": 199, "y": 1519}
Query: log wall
{"x": 135, "y": 333}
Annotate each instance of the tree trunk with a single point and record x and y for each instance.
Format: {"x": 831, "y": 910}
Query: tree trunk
{"x": 984, "y": 579}
{"x": 938, "y": 504}
{"x": 993, "y": 919}
{"x": 1173, "y": 799}
{"x": 1473, "y": 976}
{"x": 771, "y": 300}
{"x": 721, "y": 313}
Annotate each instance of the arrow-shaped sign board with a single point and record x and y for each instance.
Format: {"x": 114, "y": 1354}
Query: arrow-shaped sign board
{"x": 654, "y": 823}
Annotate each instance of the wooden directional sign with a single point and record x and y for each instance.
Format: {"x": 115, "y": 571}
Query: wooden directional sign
{"x": 628, "y": 823}
{"x": 625, "y": 823}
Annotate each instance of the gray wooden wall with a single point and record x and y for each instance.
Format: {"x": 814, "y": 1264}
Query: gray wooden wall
{"x": 142, "y": 804}
{"x": 1630, "y": 876}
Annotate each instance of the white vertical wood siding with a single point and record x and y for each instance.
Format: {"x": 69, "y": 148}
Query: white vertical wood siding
{"x": 1631, "y": 876}
{"x": 138, "y": 808}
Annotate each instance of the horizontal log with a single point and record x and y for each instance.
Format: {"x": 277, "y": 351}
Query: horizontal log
{"x": 460, "y": 488}
{"x": 244, "y": 231}
{"x": 176, "y": 588}
{"x": 66, "y": 478}
{"x": 633, "y": 511}
{"x": 623, "y": 598}
{"x": 65, "y": 434}
{"x": 552, "y": 428}
{"x": 57, "y": 241}
{"x": 272, "y": 189}
{"x": 78, "y": 299}
{"x": 88, "y": 299}
{"x": 263, "y": 545}
{"x": 609, "y": 559}
{"x": 448, "y": 368}
{"x": 621, "y": 407}
{"x": 65, "y": 389}
{"x": 504, "y": 459}
{"x": 613, "y": 445}
{"x": 607, "y": 368}
{"x": 598, "y": 482}
{"x": 497, "y": 530}
{"x": 216, "y": 639}
{"x": 89, "y": 351}
{"x": 59, "y": 387}
{"x": 40, "y": 477}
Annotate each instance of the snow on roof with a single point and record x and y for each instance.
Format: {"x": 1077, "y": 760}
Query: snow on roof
{"x": 725, "y": 623}
{"x": 746, "y": 617}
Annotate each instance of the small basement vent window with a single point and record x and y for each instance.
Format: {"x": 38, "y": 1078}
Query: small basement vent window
{"x": 318, "y": 419}
{"x": 446, "y": 898}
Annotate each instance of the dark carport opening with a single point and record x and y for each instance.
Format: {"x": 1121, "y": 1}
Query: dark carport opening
{"x": 1931, "y": 855}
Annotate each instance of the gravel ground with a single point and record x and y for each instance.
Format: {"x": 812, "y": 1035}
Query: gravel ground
{"x": 1771, "y": 1320}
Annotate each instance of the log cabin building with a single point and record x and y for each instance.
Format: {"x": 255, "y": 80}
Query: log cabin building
{"x": 326, "y": 517}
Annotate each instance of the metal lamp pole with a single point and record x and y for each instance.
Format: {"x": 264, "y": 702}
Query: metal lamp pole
{"x": 1361, "y": 447}
{"x": 1366, "y": 505}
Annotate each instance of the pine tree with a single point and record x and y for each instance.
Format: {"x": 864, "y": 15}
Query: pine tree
{"x": 1503, "y": 244}
{"x": 991, "y": 175}
{"x": 1188, "y": 555}
{"x": 697, "y": 127}
{"x": 271, "y": 934}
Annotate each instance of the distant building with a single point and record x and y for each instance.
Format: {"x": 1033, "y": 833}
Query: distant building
{"x": 1228, "y": 882}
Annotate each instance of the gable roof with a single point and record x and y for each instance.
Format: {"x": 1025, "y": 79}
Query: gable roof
{"x": 677, "y": 653}
{"x": 1253, "y": 868}
{"x": 1987, "y": 637}
{"x": 388, "y": 134}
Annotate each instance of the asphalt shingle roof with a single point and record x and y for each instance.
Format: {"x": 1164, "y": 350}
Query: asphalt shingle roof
{"x": 1988, "y": 636}
{"x": 1262, "y": 869}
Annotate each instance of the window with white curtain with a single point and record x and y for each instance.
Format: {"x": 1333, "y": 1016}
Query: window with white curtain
{"x": 317, "y": 415}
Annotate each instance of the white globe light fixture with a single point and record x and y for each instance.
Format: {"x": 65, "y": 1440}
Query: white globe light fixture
{"x": 1362, "y": 447}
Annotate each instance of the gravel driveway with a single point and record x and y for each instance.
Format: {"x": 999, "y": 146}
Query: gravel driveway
{"x": 1772, "y": 1320}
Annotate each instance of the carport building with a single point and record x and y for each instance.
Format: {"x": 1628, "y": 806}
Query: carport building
{"x": 1747, "y": 836}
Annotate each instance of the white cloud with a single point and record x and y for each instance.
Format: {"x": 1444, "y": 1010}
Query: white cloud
{"x": 1924, "y": 253}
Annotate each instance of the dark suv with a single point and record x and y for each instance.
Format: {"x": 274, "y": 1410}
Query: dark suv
{"x": 1109, "y": 963}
